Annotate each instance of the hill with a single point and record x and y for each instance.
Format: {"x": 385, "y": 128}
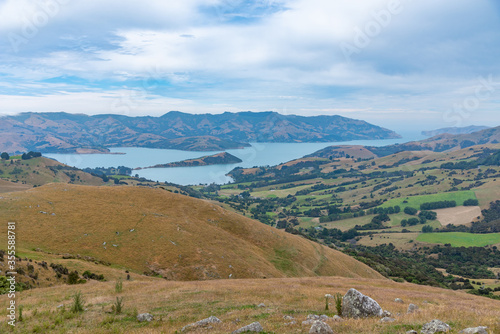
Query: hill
{"x": 440, "y": 143}
{"x": 214, "y": 159}
{"x": 18, "y": 174}
{"x": 161, "y": 233}
{"x": 455, "y": 130}
{"x": 235, "y": 302}
{"x": 63, "y": 132}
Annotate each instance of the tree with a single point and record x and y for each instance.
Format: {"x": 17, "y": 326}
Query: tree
{"x": 468, "y": 202}
{"x": 5, "y": 156}
{"x": 427, "y": 229}
{"x": 410, "y": 211}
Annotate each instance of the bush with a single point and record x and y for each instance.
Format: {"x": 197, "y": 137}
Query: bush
{"x": 413, "y": 221}
{"x": 427, "y": 229}
{"x": 119, "y": 286}
{"x": 410, "y": 211}
{"x": 73, "y": 277}
{"x": 78, "y": 303}
{"x": 338, "y": 303}
{"x": 438, "y": 205}
{"x": 118, "y": 305}
{"x": 471, "y": 202}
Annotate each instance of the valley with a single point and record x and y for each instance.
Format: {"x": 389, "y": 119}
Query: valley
{"x": 412, "y": 224}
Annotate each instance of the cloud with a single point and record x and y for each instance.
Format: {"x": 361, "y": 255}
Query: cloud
{"x": 371, "y": 59}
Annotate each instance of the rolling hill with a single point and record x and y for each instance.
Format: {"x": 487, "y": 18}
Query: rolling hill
{"x": 440, "y": 143}
{"x": 455, "y": 130}
{"x": 18, "y": 174}
{"x": 214, "y": 159}
{"x": 160, "y": 233}
{"x": 63, "y": 132}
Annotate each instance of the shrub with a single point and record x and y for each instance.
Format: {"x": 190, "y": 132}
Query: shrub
{"x": 471, "y": 202}
{"x": 118, "y": 305}
{"x": 410, "y": 211}
{"x": 119, "y": 286}
{"x": 78, "y": 303}
{"x": 338, "y": 303}
{"x": 73, "y": 277}
{"x": 429, "y": 215}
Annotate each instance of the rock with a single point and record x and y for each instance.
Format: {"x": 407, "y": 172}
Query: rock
{"x": 337, "y": 318}
{"x": 319, "y": 327}
{"x": 144, "y": 317}
{"x": 399, "y": 300}
{"x": 288, "y": 317}
{"x": 357, "y": 305}
{"x": 291, "y": 323}
{"x": 475, "y": 330}
{"x": 435, "y": 326}
{"x": 387, "y": 319}
{"x": 253, "y": 327}
{"x": 386, "y": 314}
{"x": 412, "y": 308}
{"x": 202, "y": 323}
{"x": 412, "y": 332}
{"x": 261, "y": 305}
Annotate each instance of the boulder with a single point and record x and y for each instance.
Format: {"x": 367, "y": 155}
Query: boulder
{"x": 337, "y": 318}
{"x": 144, "y": 317}
{"x": 412, "y": 332}
{"x": 311, "y": 318}
{"x": 399, "y": 300}
{"x": 387, "y": 319}
{"x": 435, "y": 326}
{"x": 357, "y": 305}
{"x": 475, "y": 330}
{"x": 319, "y": 327}
{"x": 202, "y": 323}
{"x": 253, "y": 327}
{"x": 386, "y": 314}
{"x": 412, "y": 308}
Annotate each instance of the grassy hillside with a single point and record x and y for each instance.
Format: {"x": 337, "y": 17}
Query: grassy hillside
{"x": 176, "y": 304}
{"x": 158, "y": 232}
{"x": 39, "y": 171}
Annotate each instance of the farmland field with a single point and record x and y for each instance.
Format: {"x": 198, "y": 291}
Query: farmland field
{"x": 460, "y": 239}
{"x": 416, "y": 201}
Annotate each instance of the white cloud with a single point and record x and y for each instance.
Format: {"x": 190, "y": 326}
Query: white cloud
{"x": 232, "y": 55}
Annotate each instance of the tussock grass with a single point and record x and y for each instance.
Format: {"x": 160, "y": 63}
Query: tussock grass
{"x": 180, "y": 303}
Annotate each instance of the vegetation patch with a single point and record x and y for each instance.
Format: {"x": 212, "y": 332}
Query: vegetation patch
{"x": 460, "y": 239}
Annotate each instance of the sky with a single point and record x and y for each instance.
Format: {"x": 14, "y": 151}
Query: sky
{"x": 404, "y": 64}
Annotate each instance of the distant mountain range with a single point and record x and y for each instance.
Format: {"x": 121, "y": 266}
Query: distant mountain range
{"x": 63, "y": 132}
{"x": 440, "y": 143}
{"x": 455, "y": 130}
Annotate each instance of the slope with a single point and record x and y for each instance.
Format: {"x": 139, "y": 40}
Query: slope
{"x": 158, "y": 232}
{"x": 62, "y": 132}
{"x": 440, "y": 143}
{"x": 235, "y": 302}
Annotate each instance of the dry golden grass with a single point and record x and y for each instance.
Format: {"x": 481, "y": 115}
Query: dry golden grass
{"x": 7, "y": 186}
{"x": 176, "y": 304}
{"x": 179, "y": 237}
{"x": 460, "y": 215}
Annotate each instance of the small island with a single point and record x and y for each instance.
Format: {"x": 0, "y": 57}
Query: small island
{"x": 223, "y": 158}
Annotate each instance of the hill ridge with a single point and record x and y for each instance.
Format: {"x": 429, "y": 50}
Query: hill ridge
{"x": 159, "y": 232}
{"x": 63, "y": 132}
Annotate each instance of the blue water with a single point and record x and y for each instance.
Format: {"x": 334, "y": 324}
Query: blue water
{"x": 259, "y": 154}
